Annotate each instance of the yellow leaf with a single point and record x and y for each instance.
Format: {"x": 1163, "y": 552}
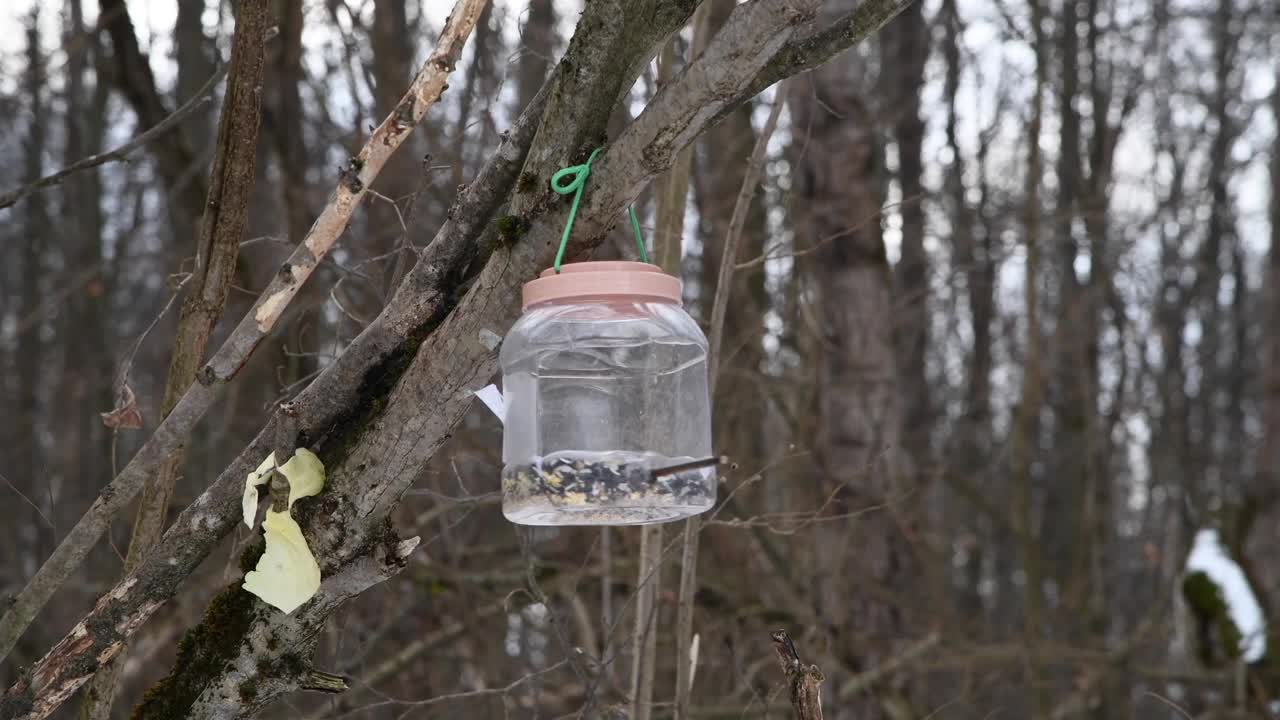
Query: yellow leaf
{"x": 249, "y": 503}
{"x": 305, "y": 473}
{"x": 287, "y": 574}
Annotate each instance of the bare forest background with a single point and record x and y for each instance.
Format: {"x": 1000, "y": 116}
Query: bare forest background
{"x": 1000, "y": 335}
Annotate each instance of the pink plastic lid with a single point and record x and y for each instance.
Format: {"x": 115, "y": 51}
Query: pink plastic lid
{"x": 614, "y": 280}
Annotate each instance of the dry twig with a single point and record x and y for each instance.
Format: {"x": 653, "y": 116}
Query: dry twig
{"x": 720, "y": 306}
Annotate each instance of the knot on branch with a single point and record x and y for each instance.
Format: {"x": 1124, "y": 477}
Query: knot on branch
{"x": 207, "y": 376}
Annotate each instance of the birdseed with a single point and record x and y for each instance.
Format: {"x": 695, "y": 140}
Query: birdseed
{"x": 604, "y": 489}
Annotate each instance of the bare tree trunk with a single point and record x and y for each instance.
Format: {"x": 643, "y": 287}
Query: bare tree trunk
{"x": 644, "y": 640}
{"x": 839, "y": 187}
{"x": 724, "y": 161}
{"x": 672, "y": 188}
{"x": 973, "y": 259}
{"x": 1102, "y": 611}
{"x": 1025, "y": 439}
{"x": 194, "y": 51}
{"x": 290, "y": 145}
{"x": 1219, "y": 233}
{"x": 87, "y": 333}
{"x": 283, "y": 123}
{"x": 88, "y": 361}
{"x": 670, "y": 193}
{"x": 1071, "y": 384}
{"x": 178, "y": 163}
{"x": 392, "y": 68}
{"x": 740, "y": 397}
{"x": 1169, "y": 452}
{"x": 221, "y": 233}
{"x": 27, "y": 452}
{"x": 904, "y": 51}
{"x": 685, "y": 660}
{"x": 480, "y": 83}
{"x": 392, "y": 53}
{"x": 537, "y": 43}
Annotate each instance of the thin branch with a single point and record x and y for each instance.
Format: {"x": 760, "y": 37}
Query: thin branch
{"x": 645, "y": 633}
{"x": 670, "y": 192}
{"x": 807, "y": 53}
{"x": 230, "y": 188}
{"x": 769, "y": 253}
{"x": 751, "y": 179}
{"x": 910, "y": 654}
{"x": 671, "y": 189}
{"x": 719, "y": 307}
{"x": 122, "y": 152}
{"x": 29, "y": 502}
{"x": 455, "y": 697}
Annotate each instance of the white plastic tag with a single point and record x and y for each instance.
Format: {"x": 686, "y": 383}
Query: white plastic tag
{"x": 491, "y": 396}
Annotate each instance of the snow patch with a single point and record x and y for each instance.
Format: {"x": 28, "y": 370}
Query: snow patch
{"x": 1210, "y": 557}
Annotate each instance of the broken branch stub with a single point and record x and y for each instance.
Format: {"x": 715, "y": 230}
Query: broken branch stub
{"x": 804, "y": 682}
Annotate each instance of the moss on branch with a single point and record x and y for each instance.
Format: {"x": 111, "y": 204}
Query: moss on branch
{"x": 203, "y": 655}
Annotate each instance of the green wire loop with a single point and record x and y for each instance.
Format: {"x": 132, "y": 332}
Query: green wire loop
{"x": 577, "y": 179}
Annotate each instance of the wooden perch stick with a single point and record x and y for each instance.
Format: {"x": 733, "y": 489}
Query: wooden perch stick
{"x": 803, "y": 681}
{"x": 691, "y": 465}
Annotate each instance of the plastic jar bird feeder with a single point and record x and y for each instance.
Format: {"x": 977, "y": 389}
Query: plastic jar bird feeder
{"x": 608, "y": 420}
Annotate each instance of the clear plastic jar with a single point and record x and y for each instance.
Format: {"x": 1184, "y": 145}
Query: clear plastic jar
{"x": 605, "y": 383}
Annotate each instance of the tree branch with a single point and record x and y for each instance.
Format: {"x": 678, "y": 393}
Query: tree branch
{"x": 719, "y": 308}
{"x": 911, "y": 653}
{"x": 809, "y": 52}
{"x": 644, "y": 637}
{"x": 120, "y": 153}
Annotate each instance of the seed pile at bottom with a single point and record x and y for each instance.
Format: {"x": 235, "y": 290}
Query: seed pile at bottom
{"x": 605, "y": 490}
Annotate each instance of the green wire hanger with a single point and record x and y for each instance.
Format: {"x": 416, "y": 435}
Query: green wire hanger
{"x": 578, "y": 175}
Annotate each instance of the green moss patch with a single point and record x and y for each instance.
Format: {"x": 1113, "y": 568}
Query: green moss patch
{"x": 203, "y": 654}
